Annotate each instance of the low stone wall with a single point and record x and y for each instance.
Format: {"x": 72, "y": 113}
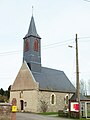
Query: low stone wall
{"x": 5, "y": 111}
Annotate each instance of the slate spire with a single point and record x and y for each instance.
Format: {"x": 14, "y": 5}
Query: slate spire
{"x": 32, "y": 29}
{"x": 32, "y": 48}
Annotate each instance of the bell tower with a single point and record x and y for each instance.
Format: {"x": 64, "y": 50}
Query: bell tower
{"x": 32, "y": 48}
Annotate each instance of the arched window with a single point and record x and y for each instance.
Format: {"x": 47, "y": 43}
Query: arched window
{"x": 36, "y": 45}
{"x": 21, "y": 94}
{"x": 66, "y": 102}
{"x": 53, "y": 99}
{"x": 66, "y": 99}
{"x": 26, "y": 45}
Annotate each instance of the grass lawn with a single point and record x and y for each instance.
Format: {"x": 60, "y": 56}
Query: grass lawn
{"x": 56, "y": 113}
{"x": 49, "y": 113}
{"x": 82, "y": 119}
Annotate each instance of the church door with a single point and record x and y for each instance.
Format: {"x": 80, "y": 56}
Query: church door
{"x": 22, "y": 103}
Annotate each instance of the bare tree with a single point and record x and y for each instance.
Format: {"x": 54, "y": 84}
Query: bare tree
{"x": 89, "y": 86}
{"x": 44, "y": 106}
{"x": 83, "y": 87}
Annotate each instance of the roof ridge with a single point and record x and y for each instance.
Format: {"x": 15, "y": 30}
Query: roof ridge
{"x": 53, "y": 69}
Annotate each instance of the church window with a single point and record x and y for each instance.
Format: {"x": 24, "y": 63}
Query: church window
{"x": 36, "y": 45}
{"x": 21, "y": 93}
{"x": 53, "y": 99}
{"x": 26, "y": 45}
{"x": 66, "y": 99}
{"x": 66, "y": 102}
{"x": 25, "y": 103}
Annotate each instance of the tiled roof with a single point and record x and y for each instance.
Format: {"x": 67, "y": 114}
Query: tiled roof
{"x": 53, "y": 80}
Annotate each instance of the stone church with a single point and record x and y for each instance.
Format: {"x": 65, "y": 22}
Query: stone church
{"x": 36, "y": 88}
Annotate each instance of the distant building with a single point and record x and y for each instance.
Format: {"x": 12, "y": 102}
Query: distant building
{"x": 38, "y": 88}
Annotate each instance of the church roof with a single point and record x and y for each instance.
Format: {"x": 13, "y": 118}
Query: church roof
{"x": 32, "y": 29}
{"x": 48, "y": 79}
{"x": 53, "y": 80}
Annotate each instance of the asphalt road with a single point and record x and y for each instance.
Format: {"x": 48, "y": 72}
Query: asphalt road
{"x": 29, "y": 116}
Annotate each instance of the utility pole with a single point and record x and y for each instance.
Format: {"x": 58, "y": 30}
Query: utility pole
{"x": 77, "y": 76}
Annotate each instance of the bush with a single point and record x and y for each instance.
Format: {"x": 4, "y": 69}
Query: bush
{"x": 61, "y": 113}
{"x": 44, "y": 106}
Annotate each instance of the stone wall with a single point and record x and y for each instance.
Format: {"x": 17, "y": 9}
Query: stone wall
{"x": 32, "y": 100}
{"x": 15, "y": 94}
{"x": 5, "y": 112}
{"x": 46, "y": 96}
{"x": 29, "y": 99}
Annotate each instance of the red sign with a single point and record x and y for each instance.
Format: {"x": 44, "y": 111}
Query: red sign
{"x": 75, "y": 106}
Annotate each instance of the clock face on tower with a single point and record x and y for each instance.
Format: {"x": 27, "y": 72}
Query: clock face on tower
{"x": 36, "y": 45}
{"x": 26, "y": 45}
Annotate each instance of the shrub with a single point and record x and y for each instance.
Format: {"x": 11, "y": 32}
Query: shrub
{"x": 44, "y": 106}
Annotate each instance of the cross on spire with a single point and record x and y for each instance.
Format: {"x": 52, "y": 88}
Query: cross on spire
{"x": 32, "y": 10}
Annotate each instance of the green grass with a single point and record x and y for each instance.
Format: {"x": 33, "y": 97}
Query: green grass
{"x": 56, "y": 113}
{"x": 82, "y": 119}
{"x": 49, "y": 113}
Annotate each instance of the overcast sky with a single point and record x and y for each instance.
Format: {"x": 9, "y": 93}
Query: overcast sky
{"x": 57, "y": 22}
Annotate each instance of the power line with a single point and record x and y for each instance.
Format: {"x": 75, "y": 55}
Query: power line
{"x": 47, "y": 46}
{"x": 87, "y": 39}
{"x": 58, "y": 43}
{"x": 84, "y": 38}
{"x": 10, "y": 52}
{"x": 64, "y": 42}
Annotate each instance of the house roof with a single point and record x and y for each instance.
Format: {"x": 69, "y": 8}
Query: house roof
{"x": 53, "y": 80}
{"x": 32, "y": 29}
{"x": 82, "y": 98}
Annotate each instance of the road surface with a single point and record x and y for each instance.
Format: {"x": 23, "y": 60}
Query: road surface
{"x": 29, "y": 116}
